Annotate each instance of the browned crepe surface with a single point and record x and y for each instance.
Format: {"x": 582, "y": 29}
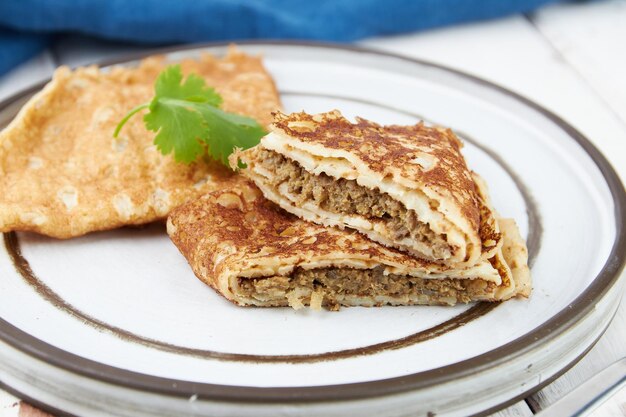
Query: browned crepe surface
{"x": 378, "y": 145}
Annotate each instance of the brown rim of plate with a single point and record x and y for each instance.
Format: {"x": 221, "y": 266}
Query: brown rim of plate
{"x": 551, "y": 329}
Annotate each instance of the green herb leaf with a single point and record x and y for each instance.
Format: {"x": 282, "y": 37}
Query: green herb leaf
{"x": 187, "y": 119}
{"x": 228, "y": 131}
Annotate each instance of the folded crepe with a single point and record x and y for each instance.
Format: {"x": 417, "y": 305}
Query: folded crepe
{"x": 63, "y": 174}
{"x": 255, "y": 254}
{"x": 406, "y": 187}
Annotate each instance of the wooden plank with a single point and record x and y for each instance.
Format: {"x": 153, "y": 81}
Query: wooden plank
{"x": 31, "y": 72}
{"x": 519, "y": 409}
{"x": 590, "y": 38}
{"x": 615, "y": 407}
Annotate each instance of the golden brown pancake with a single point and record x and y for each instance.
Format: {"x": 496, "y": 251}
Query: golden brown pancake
{"x": 63, "y": 174}
{"x": 253, "y": 253}
{"x": 403, "y": 186}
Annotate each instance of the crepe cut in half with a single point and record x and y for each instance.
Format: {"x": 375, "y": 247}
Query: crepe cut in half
{"x": 403, "y": 186}
{"x": 255, "y": 254}
{"x": 63, "y": 174}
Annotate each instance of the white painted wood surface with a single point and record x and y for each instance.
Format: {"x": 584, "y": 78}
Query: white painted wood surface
{"x": 569, "y": 58}
{"x": 590, "y": 38}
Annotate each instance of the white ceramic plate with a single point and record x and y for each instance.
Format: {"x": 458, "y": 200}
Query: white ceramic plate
{"x": 116, "y": 322}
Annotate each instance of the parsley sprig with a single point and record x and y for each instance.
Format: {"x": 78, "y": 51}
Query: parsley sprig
{"x": 188, "y": 121}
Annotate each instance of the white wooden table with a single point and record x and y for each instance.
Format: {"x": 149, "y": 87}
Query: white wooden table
{"x": 569, "y": 58}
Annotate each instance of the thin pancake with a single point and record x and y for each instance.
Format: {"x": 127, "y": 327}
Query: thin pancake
{"x": 403, "y": 186}
{"x": 253, "y": 253}
{"x": 62, "y": 173}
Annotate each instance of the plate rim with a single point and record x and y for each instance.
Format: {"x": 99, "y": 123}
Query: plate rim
{"x": 564, "y": 320}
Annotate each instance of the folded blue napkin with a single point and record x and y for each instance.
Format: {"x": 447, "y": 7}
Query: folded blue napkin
{"x": 28, "y": 26}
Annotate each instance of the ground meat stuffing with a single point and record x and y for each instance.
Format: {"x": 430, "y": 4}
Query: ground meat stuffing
{"x": 348, "y": 197}
{"x": 335, "y": 283}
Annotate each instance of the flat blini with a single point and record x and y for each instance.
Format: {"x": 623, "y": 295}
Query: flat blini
{"x": 63, "y": 174}
{"x": 255, "y": 254}
{"x": 406, "y": 187}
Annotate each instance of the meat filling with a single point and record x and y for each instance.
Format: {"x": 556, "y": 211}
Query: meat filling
{"x": 335, "y": 284}
{"x": 347, "y": 197}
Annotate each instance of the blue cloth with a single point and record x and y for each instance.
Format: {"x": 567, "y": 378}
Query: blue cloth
{"x": 16, "y": 47}
{"x": 27, "y": 26}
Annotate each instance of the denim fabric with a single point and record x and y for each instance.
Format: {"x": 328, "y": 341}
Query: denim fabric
{"x": 26, "y": 26}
